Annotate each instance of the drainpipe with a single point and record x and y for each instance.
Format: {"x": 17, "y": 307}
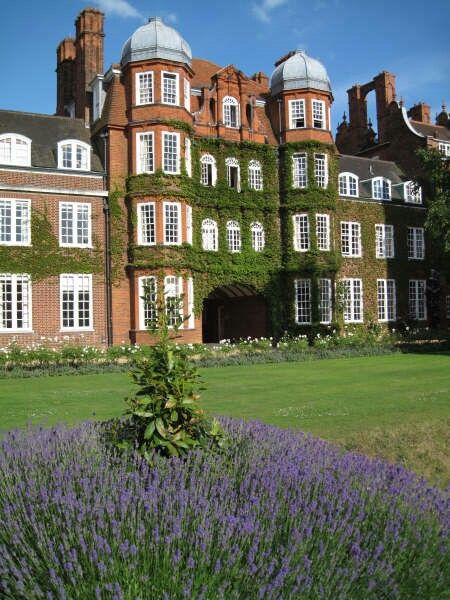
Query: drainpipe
{"x": 280, "y": 135}
{"x": 107, "y": 224}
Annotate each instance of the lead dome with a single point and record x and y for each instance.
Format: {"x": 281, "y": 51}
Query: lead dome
{"x": 153, "y": 40}
{"x": 300, "y": 71}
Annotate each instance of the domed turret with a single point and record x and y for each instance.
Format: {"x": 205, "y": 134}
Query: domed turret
{"x": 155, "y": 39}
{"x": 299, "y": 71}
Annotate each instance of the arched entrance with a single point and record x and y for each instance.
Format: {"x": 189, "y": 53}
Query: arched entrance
{"x": 232, "y": 312}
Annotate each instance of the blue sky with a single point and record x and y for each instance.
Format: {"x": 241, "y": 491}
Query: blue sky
{"x": 355, "y": 39}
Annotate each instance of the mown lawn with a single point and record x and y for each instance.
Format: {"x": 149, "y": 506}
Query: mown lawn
{"x": 397, "y": 406}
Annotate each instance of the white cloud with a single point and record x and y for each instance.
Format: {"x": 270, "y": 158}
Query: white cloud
{"x": 262, "y": 11}
{"x": 171, "y": 18}
{"x": 121, "y": 8}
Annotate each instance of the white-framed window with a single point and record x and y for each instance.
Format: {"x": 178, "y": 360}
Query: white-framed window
{"x": 234, "y": 236}
{"x": 444, "y": 148}
{"x": 15, "y": 149}
{"x": 146, "y": 223}
{"x": 233, "y": 173}
{"x": 75, "y": 301}
{"x": 301, "y": 232}
{"x": 381, "y": 188}
{"x": 188, "y": 157}
{"x": 73, "y": 154}
{"x": 15, "y": 222}
{"x": 208, "y": 170}
{"x": 348, "y": 185}
{"x": 299, "y": 170}
{"x": 169, "y": 88}
{"x": 255, "y": 181}
{"x": 75, "y": 224}
{"x": 387, "y": 310}
{"x": 172, "y": 223}
{"x": 173, "y": 290}
{"x": 15, "y": 302}
{"x": 318, "y": 114}
{"x": 302, "y": 301}
{"x": 297, "y": 114}
{"x": 448, "y": 306}
{"x": 190, "y": 303}
{"x": 188, "y": 224}
{"x": 145, "y": 152}
{"x": 416, "y": 243}
{"x": 323, "y": 231}
{"x": 258, "y": 236}
{"x": 171, "y": 152}
{"x": 412, "y": 192}
{"x": 417, "y": 299}
{"x": 147, "y": 290}
{"x": 210, "y": 238}
{"x": 325, "y": 300}
{"x": 321, "y": 170}
{"x": 384, "y": 241}
{"x": 350, "y": 238}
{"x": 353, "y": 300}
{"x": 187, "y": 95}
{"x": 231, "y": 117}
{"x": 144, "y": 87}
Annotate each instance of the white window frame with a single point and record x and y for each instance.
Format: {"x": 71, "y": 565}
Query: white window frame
{"x": 303, "y": 310}
{"x": 74, "y": 145}
{"x": 416, "y": 243}
{"x": 382, "y": 192}
{"x": 325, "y": 300}
{"x": 146, "y": 312}
{"x": 26, "y": 305}
{"x": 22, "y": 221}
{"x": 297, "y": 115}
{"x": 188, "y": 156}
{"x": 76, "y": 208}
{"x": 444, "y": 148}
{"x": 168, "y": 242}
{"x": 323, "y": 231}
{"x": 353, "y": 306}
{"x": 188, "y": 224}
{"x": 258, "y": 236}
{"x": 447, "y": 300}
{"x": 351, "y": 239}
{"x": 177, "y": 88}
{"x": 384, "y": 241}
{"x": 321, "y": 178}
{"x": 227, "y": 103}
{"x": 234, "y": 240}
{"x": 205, "y": 160}
{"x": 173, "y": 288}
{"x": 15, "y": 158}
{"x": 140, "y": 167}
{"x": 300, "y": 170}
{"x": 78, "y": 280}
{"x": 412, "y": 192}
{"x": 145, "y": 228}
{"x": 230, "y": 163}
{"x": 302, "y": 241}
{"x": 348, "y": 183}
{"x": 386, "y": 300}
{"x": 417, "y": 299}
{"x": 210, "y": 238}
{"x": 190, "y": 303}
{"x": 321, "y": 104}
{"x": 147, "y": 91}
{"x": 255, "y": 179}
{"x": 164, "y": 139}
{"x": 187, "y": 94}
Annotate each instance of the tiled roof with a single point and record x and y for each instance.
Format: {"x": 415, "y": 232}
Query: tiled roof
{"x": 204, "y": 70}
{"x": 436, "y": 131}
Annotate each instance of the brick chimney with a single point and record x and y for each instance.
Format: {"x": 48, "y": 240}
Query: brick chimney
{"x": 420, "y": 112}
{"x": 65, "y": 73}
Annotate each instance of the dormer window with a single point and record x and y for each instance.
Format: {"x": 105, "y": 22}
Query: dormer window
{"x": 73, "y": 154}
{"x": 413, "y": 192}
{"x": 144, "y": 87}
{"x": 444, "y": 148}
{"x": 170, "y": 88}
{"x": 297, "y": 114}
{"x": 318, "y": 114}
{"x": 231, "y": 112}
{"x": 15, "y": 150}
{"x": 208, "y": 171}
{"x": 381, "y": 188}
{"x": 348, "y": 185}
{"x": 233, "y": 173}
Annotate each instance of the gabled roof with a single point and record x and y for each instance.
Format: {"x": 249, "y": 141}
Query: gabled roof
{"x": 45, "y": 131}
{"x": 203, "y": 71}
{"x": 436, "y": 131}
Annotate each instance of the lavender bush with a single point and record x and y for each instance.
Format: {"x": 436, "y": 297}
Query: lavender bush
{"x": 278, "y": 515}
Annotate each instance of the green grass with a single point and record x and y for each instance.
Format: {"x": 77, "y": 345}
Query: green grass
{"x": 385, "y": 405}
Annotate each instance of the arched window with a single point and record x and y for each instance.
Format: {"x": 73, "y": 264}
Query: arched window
{"x": 233, "y": 173}
{"x": 73, "y": 154}
{"x": 258, "y": 237}
{"x": 231, "y": 116}
{"x": 381, "y": 188}
{"x": 15, "y": 149}
{"x": 233, "y": 236}
{"x": 208, "y": 170}
{"x": 348, "y": 185}
{"x": 209, "y": 235}
{"x": 255, "y": 181}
